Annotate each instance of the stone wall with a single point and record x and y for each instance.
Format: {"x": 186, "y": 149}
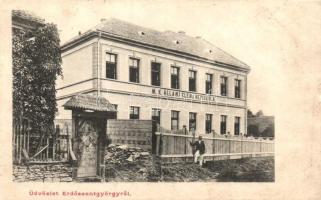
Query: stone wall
{"x": 42, "y": 173}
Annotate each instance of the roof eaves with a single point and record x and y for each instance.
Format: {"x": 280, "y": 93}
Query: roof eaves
{"x": 95, "y": 33}
{"x": 76, "y": 40}
{"x": 246, "y": 68}
{"x": 88, "y": 102}
{"x": 243, "y": 68}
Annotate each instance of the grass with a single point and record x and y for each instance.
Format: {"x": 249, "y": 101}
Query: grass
{"x": 245, "y": 170}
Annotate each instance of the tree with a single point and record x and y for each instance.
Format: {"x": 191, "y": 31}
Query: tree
{"x": 253, "y": 130}
{"x": 249, "y": 113}
{"x": 36, "y": 65}
{"x": 259, "y": 113}
{"x": 269, "y": 131}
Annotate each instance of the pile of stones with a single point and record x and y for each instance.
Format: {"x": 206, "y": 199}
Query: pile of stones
{"x": 120, "y": 154}
{"x": 129, "y": 164}
{"x": 42, "y": 173}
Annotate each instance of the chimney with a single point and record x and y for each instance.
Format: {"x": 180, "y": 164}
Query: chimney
{"x": 181, "y": 32}
{"x": 79, "y": 33}
{"x": 102, "y": 20}
{"x": 198, "y": 37}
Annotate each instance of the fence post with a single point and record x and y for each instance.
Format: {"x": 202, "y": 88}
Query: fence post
{"x": 67, "y": 142}
{"x": 185, "y": 145}
{"x": 229, "y": 148}
{"x": 58, "y": 142}
{"x": 28, "y": 137}
{"x": 14, "y": 141}
{"x": 213, "y": 144}
{"x": 241, "y": 146}
{"x": 24, "y": 135}
{"x": 158, "y": 145}
{"x": 193, "y": 140}
{"x": 20, "y": 141}
{"x": 47, "y": 150}
{"x": 260, "y": 145}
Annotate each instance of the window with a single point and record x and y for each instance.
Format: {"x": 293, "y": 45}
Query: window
{"x": 223, "y": 86}
{"x": 192, "y": 121}
{"x": 208, "y": 84}
{"x": 237, "y": 125}
{"x": 208, "y": 123}
{"x": 134, "y": 70}
{"x": 175, "y": 77}
{"x": 223, "y": 124}
{"x": 156, "y": 73}
{"x": 156, "y": 118}
{"x": 134, "y": 112}
{"x": 192, "y": 80}
{"x": 111, "y": 66}
{"x": 237, "y": 88}
{"x": 174, "y": 120}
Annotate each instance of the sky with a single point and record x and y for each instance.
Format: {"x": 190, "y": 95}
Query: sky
{"x": 266, "y": 35}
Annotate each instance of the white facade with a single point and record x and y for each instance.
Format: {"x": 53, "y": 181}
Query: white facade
{"x": 84, "y": 65}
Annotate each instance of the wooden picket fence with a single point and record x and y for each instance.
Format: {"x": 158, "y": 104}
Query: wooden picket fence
{"x": 176, "y": 147}
{"x": 52, "y": 145}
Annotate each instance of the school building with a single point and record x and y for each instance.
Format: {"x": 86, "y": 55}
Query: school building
{"x": 169, "y": 77}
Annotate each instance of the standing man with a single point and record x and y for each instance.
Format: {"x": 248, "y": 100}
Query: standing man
{"x": 199, "y": 150}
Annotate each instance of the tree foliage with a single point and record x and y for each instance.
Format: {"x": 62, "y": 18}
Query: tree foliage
{"x": 269, "y": 131}
{"x": 253, "y": 130}
{"x": 36, "y": 65}
{"x": 249, "y": 113}
{"x": 259, "y": 113}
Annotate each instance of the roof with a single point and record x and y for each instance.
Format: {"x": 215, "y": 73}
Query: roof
{"x": 178, "y": 42}
{"x": 89, "y": 102}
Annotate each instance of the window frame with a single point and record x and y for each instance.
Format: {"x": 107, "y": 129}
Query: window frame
{"x": 176, "y": 118}
{"x": 177, "y": 85}
{"x": 132, "y": 108}
{"x": 208, "y": 122}
{"x": 224, "y": 92}
{"x": 159, "y": 71}
{"x": 237, "y": 122}
{"x": 237, "y": 88}
{"x": 210, "y": 83}
{"x": 223, "y": 122}
{"x": 131, "y": 66}
{"x": 194, "y": 114}
{"x": 192, "y": 79}
{"x": 158, "y": 111}
{"x": 111, "y": 63}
